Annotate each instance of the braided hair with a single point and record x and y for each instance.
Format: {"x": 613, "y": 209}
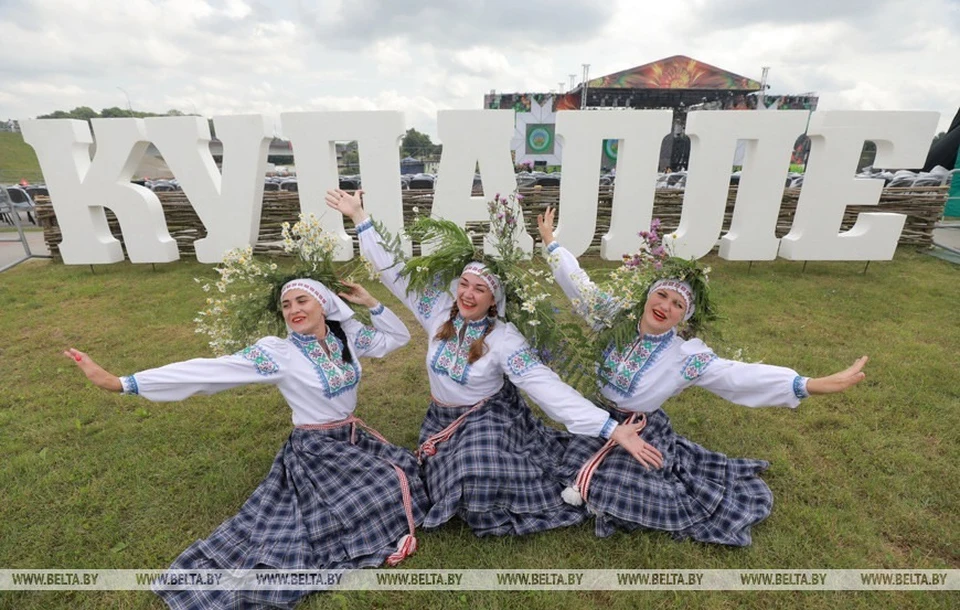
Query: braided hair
{"x": 337, "y": 329}
{"x": 479, "y": 347}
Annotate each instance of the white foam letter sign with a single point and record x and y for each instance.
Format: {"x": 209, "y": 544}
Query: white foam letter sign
{"x": 81, "y": 188}
{"x": 836, "y": 140}
{"x": 583, "y": 131}
{"x": 472, "y": 137}
{"x": 378, "y": 133}
{"x": 229, "y": 206}
{"x": 713, "y": 139}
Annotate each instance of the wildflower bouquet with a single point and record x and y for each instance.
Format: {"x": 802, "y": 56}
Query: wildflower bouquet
{"x": 449, "y": 248}
{"x": 613, "y": 308}
{"x": 244, "y": 303}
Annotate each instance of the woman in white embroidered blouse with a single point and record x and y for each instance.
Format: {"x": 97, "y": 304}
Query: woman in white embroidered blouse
{"x": 691, "y": 492}
{"x": 338, "y": 494}
{"x": 486, "y": 457}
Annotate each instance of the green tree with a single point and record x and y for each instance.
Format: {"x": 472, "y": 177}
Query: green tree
{"x": 114, "y": 112}
{"x": 416, "y": 144}
{"x": 57, "y": 114}
{"x": 84, "y": 113}
{"x": 350, "y": 161}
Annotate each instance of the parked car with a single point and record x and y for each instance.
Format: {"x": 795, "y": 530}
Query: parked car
{"x": 422, "y": 182}
{"x": 21, "y": 201}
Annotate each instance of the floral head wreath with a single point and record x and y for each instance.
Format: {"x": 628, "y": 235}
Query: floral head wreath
{"x": 615, "y": 307}
{"x": 451, "y": 252}
{"x": 244, "y": 304}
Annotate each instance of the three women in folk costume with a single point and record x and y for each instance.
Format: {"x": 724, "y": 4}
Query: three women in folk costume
{"x": 340, "y": 496}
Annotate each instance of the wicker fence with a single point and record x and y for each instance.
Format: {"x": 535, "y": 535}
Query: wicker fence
{"x": 923, "y": 207}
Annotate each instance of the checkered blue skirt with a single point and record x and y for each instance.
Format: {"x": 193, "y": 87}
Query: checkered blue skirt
{"x": 698, "y": 494}
{"x": 326, "y": 504}
{"x": 499, "y": 472}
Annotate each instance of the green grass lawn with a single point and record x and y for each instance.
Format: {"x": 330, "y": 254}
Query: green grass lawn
{"x": 866, "y": 479}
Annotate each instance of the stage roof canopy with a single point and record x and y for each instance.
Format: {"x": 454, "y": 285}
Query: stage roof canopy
{"x": 677, "y": 72}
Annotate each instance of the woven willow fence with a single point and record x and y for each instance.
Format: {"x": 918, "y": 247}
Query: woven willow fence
{"x": 922, "y": 205}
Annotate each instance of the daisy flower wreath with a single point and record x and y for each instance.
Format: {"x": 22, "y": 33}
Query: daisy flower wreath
{"x": 243, "y": 305}
{"x": 448, "y": 248}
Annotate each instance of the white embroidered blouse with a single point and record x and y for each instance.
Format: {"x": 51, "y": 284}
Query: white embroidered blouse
{"x": 456, "y": 382}
{"x": 644, "y": 374}
{"x": 317, "y": 383}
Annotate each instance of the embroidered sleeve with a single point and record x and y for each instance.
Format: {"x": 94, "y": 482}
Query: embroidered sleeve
{"x": 262, "y": 361}
{"x": 365, "y": 225}
{"x": 608, "y": 428}
{"x": 385, "y": 333}
{"x": 364, "y": 338}
{"x": 129, "y": 385}
{"x": 427, "y": 300}
{"x": 544, "y": 387}
{"x": 694, "y": 366}
{"x": 589, "y": 302}
{"x": 521, "y": 361}
{"x": 422, "y": 304}
{"x": 800, "y": 387}
{"x": 747, "y": 384}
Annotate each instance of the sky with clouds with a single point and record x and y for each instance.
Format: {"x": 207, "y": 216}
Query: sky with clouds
{"x": 257, "y": 56}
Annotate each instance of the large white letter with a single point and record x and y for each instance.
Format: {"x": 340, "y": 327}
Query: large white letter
{"x": 80, "y": 189}
{"x": 713, "y": 140}
{"x": 583, "y": 131}
{"x": 229, "y": 206}
{"x": 470, "y": 137}
{"x": 770, "y": 138}
{"x": 378, "y": 133}
{"x": 837, "y": 138}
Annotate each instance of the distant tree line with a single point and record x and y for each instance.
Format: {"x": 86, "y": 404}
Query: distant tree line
{"x": 85, "y": 113}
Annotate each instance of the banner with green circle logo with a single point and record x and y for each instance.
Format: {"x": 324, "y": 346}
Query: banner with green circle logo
{"x": 540, "y": 138}
{"x": 610, "y": 148}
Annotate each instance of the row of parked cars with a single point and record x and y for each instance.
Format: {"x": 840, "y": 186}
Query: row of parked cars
{"x": 938, "y": 176}
{"x": 420, "y": 181}
{"x": 20, "y": 199}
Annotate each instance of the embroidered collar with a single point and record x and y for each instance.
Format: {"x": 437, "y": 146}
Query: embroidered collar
{"x": 646, "y": 337}
{"x": 451, "y": 356}
{"x": 301, "y": 339}
{"x": 622, "y": 370}
{"x": 459, "y": 321}
{"x": 335, "y": 375}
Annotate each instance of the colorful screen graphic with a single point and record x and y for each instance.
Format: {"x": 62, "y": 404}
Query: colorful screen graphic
{"x": 677, "y": 72}
{"x": 540, "y": 137}
{"x": 610, "y": 150}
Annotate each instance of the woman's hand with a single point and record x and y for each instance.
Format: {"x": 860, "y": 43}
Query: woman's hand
{"x": 347, "y": 204}
{"x": 838, "y": 382}
{"x": 627, "y": 436}
{"x": 94, "y": 372}
{"x": 545, "y": 224}
{"x": 358, "y": 295}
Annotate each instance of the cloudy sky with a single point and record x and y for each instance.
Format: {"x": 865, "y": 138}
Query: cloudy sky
{"x": 270, "y": 56}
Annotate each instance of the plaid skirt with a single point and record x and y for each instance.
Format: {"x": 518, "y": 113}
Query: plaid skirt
{"x": 499, "y": 472}
{"x": 698, "y": 494}
{"x": 327, "y": 503}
